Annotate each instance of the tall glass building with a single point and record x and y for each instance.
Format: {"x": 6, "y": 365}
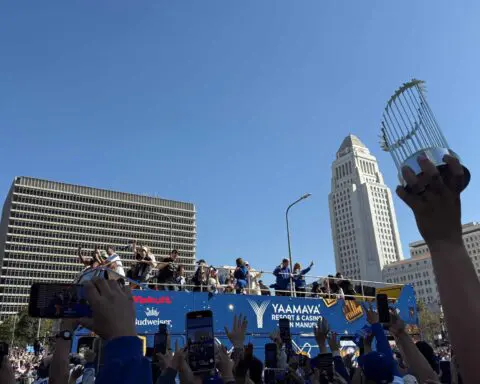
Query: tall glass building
{"x": 44, "y": 222}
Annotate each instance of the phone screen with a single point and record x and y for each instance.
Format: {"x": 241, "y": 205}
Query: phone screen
{"x": 160, "y": 340}
{"x": 271, "y": 355}
{"x": 200, "y": 341}
{"x": 57, "y": 301}
{"x": 382, "y": 308}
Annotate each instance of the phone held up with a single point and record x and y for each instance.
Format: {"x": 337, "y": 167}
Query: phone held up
{"x": 58, "y": 301}
{"x": 200, "y": 341}
{"x": 161, "y": 340}
{"x": 383, "y": 308}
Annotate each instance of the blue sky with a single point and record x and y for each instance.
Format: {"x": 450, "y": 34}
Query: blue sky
{"x": 237, "y": 106}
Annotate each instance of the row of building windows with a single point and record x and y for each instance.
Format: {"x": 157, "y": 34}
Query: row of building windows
{"x": 86, "y": 235}
{"x": 77, "y": 241}
{"x": 85, "y": 214}
{"x": 39, "y": 195}
{"x": 23, "y": 218}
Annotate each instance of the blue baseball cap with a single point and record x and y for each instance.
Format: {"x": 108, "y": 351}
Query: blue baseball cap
{"x": 377, "y": 367}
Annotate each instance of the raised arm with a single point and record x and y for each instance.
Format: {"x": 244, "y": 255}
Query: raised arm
{"x": 417, "y": 363}
{"x": 80, "y": 256}
{"x": 435, "y": 201}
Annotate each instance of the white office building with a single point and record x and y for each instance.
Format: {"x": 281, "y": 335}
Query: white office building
{"x": 418, "y": 270}
{"x": 362, "y": 216}
{"x": 44, "y": 222}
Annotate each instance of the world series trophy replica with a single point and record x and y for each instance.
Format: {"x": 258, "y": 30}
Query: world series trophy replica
{"x": 409, "y": 130}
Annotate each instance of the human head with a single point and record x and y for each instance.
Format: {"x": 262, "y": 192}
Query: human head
{"x": 339, "y": 275}
{"x": 247, "y": 264}
{"x": 174, "y": 254}
{"x": 239, "y": 262}
{"x": 297, "y": 266}
{"x": 377, "y": 367}
{"x": 285, "y": 263}
{"x": 180, "y": 270}
{"x": 110, "y": 250}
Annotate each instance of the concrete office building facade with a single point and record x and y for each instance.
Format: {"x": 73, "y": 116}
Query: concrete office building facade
{"x": 418, "y": 270}
{"x": 362, "y": 216}
{"x": 44, "y": 222}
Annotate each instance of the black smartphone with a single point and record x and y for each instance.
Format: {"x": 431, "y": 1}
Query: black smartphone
{"x": 271, "y": 355}
{"x": 325, "y": 367}
{"x": 160, "y": 340}
{"x": 58, "y": 301}
{"x": 3, "y": 352}
{"x": 270, "y": 363}
{"x": 200, "y": 341}
{"x": 382, "y": 308}
{"x": 284, "y": 325}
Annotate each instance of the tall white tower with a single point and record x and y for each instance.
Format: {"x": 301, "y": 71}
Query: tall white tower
{"x": 362, "y": 216}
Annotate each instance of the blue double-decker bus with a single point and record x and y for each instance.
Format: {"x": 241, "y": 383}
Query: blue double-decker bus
{"x": 345, "y": 317}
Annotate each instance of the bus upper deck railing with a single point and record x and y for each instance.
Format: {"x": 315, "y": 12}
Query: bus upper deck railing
{"x": 252, "y": 288}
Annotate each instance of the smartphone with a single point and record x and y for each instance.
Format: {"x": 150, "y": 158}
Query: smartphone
{"x": 3, "y": 352}
{"x": 270, "y": 363}
{"x": 160, "y": 340}
{"x": 200, "y": 341}
{"x": 58, "y": 301}
{"x": 382, "y": 308}
{"x": 284, "y": 325}
{"x": 324, "y": 364}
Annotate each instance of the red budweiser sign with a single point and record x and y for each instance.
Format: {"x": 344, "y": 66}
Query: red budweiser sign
{"x": 152, "y": 300}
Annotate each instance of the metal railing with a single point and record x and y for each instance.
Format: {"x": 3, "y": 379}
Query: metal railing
{"x": 253, "y": 288}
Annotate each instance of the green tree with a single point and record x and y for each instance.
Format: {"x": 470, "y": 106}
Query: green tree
{"x": 25, "y": 328}
{"x": 429, "y": 322}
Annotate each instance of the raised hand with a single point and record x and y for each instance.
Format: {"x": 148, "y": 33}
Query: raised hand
{"x": 396, "y": 326}
{"x": 224, "y": 363}
{"x": 112, "y": 307}
{"x": 435, "y": 199}
{"x": 275, "y": 337}
{"x": 372, "y": 315}
{"x": 239, "y": 328}
{"x": 333, "y": 342}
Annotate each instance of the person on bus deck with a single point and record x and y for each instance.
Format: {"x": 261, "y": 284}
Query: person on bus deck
{"x": 264, "y": 290}
{"x": 167, "y": 272}
{"x": 346, "y": 286}
{"x": 299, "y": 278}
{"x": 200, "y": 278}
{"x": 180, "y": 279}
{"x": 252, "y": 280}
{"x": 145, "y": 261}
{"x": 283, "y": 275}
{"x": 93, "y": 261}
{"x": 213, "y": 283}
{"x": 241, "y": 275}
{"x": 113, "y": 261}
{"x": 332, "y": 288}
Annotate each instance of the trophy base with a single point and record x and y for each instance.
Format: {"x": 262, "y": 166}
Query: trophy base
{"x": 435, "y": 155}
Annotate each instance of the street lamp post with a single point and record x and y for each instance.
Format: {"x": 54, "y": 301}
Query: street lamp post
{"x": 165, "y": 216}
{"x": 305, "y": 196}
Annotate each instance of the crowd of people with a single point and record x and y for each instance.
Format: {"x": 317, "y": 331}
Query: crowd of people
{"x": 434, "y": 198}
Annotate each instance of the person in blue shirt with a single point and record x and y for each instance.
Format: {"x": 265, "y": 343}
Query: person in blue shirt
{"x": 241, "y": 275}
{"x": 299, "y": 278}
{"x": 283, "y": 275}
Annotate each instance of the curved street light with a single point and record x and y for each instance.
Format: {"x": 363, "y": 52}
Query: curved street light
{"x": 305, "y": 196}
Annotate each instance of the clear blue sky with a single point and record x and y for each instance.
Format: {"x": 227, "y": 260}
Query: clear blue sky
{"x": 236, "y": 106}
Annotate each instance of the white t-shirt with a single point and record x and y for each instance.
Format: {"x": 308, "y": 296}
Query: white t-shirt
{"x": 115, "y": 258}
